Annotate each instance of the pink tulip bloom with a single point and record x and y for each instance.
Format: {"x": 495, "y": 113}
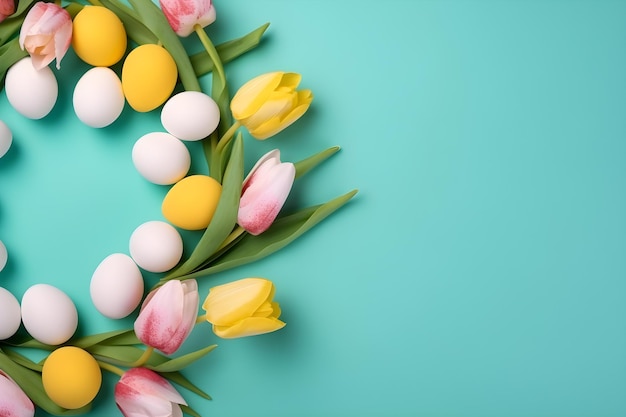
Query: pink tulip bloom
{"x": 46, "y": 34}
{"x": 264, "y": 192}
{"x": 13, "y": 401}
{"x": 142, "y": 392}
{"x": 7, "y": 8}
{"x": 168, "y": 315}
{"x": 184, "y": 15}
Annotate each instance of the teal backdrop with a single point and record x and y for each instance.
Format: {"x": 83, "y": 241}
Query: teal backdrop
{"x": 479, "y": 272}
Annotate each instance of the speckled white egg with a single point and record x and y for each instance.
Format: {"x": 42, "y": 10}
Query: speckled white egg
{"x": 6, "y": 138}
{"x": 190, "y": 115}
{"x": 156, "y": 246}
{"x": 32, "y": 93}
{"x": 161, "y": 158}
{"x": 4, "y": 256}
{"x": 10, "y": 316}
{"x": 116, "y": 286}
{"x": 49, "y": 315}
{"x": 98, "y": 97}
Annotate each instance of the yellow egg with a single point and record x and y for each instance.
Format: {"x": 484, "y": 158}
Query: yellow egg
{"x": 71, "y": 377}
{"x": 98, "y": 36}
{"x": 191, "y": 202}
{"x": 149, "y": 76}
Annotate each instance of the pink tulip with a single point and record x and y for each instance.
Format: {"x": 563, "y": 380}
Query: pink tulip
{"x": 168, "y": 315}
{"x": 7, "y": 8}
{"x": 46, "y": 33}
{"x": 184, "y": 15}
{"x": 264, "y": 192}
{"x": 13, "y": 401}
{"x": 142, "y": 392}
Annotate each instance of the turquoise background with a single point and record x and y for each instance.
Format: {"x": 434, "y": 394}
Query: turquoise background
{"x": 481, "y": 269}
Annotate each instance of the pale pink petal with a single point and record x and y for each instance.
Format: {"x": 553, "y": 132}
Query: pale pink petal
{"x": 46, "y": 33}
{"x": 183, "y": 15}
{"x": 13, "y": 401}
{"x": 142, "y": 392}
{"x": 7, "y": 7}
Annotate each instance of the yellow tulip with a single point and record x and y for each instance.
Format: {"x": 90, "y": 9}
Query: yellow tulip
{"x": 243, "y": 308}
{"x": 269, "y": 103}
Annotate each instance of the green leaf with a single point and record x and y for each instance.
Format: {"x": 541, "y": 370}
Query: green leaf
{"x": 10, "y": 53}
{"x": 23, "y": 360}
{"x": 87, "y": 341}
{"x": 284, "y": 231}
{"x": 9, "y": 28}
{"x": 180, "y": 379}
{"x": 154, "y": 19}
{"x": 31, "y": 384}
{"x": 124, "y": 355}
{"x": 190, "y": 411}
{"x": 304, "y": 166}
{"x": 22, "y": 6}
{"x": 135, "y": 29}
{"x": 181, "y": 362}
{"x": 228, "y": 51}
{"x": 224, "y": 218}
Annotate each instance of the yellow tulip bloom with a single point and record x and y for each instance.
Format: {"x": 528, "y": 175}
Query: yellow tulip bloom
{"x": 269, "y": 103}
{"x": 243, "y": 308}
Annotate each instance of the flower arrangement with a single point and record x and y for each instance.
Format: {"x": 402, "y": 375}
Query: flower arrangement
{"x": 240, "y": 216}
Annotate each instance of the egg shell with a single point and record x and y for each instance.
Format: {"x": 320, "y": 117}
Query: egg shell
{"x": 32, "y": 93}
{"x": 116, "y": 286}
{"x": 156, "y": 246}
{"x": 191, "y": 202}
{"x": 6, "y": 138}
{"x": 10, "y": 316}
{"x": 190, "y": 115}
{"x": 161, "y": 158}
{"x": 4, "y": 256}
{"x": 149, "y": 75}
{"x": 48, "y": 314}
{"x": 98, "y": 36}
{"x": 98, "y": 97}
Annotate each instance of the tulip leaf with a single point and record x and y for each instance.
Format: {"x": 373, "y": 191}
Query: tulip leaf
{"x": 189, "y": 411}
{"x": 224, "y": 218}
{"x": 154, "y": 19}
{"x": 284, "y": 230}
{"x": 135, "y": 30}
{"x": 9, "y": 28}
{"x": 181, "y": 362}
{"x": 23, "y": 360}
{"x": 87, "y": 341}
{"x": 10, "y": 53}
{"x": 125, "y": 355}
{"x": 304, "y": 166}
{"x": 180, "y": 379}
{"x": 30, "y": 382}
{"x": 22, "y": 6}
{"x": 227, "y": 51}
{"x": 125, "y": 339}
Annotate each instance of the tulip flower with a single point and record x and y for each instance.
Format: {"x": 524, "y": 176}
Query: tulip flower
{"x": 264, "y": 192}
{"x": 7, "y": 8}
{"x": 269, "y": 103}
{"x": 13, "y": 401}
{"x": 142, "y": 392}
{"x": 184, "y": 15}
{"x": 46, "y": 33}
{"x": 243, "y": 308}
{"x": 168, "y": 315}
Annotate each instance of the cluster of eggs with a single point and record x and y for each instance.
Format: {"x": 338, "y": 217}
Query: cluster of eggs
{"x": 71, "y": 376}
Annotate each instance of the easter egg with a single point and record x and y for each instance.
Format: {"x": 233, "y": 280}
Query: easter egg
{"x": 191, "y": 202}
{"x": 190, "y": 115}
{"x": 149, "y": 76}
{"x": 156, "y": 246}
{"x": 161, "y": 158}
{"x": 10, "y": 316}
{"x": 6, "y": 138}
{"x": 98, "y": 36}
{"x": 98, "y": 98}
{"x": 71, "y": 377}
{"x": 49, "y": 315}
{"x": 116, "y": 286}
{"x": 33, "y": 93}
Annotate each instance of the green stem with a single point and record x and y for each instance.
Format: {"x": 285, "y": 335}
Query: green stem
{"x": 143, "y": 358}
{"x": 111, "y": 368}
{"x": 233, "y": 235}
{"x": 210, "y": 48}
{"x": 227, "y": 136}
{"x": 201, "y": 319}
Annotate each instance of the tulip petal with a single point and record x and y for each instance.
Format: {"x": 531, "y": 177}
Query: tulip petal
{"x": 142, "y": 392}
{"x": 251, "y": 96}
{"x": 228, "y": 303}
{"x": 290, "y": 81}
{"x": 13, "y": 401}
{"x": 46, "y": 33}
{"x": 277, "y": 105}
{"x": 271, "y": 155}
{"x": 251, "y": 326}
{"x": 273, "y": 126}
{"x": 7, "y": 7}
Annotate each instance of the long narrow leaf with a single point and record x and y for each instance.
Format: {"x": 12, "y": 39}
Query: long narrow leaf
{"x": 87, "y": 341}
{"x": 10, "y": 53}
{"x": 181, "y": 362}
{"x": 306, "y": 165}
{"x": 284, "y": 230}
{"x": 224, "y": 218}
{"x": 180, "y": 379}
{"x": 23, "y": 360}
{"x": 189, "y": 411}
{"x": 135, "y": 29}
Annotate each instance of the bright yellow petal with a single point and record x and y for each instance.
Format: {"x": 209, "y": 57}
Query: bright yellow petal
{"x": 277, "y": 105}
{"x": 232, "y": 302}
{"x": 289, "y": 82}
{"x": 249, "y": 327}
{"x": 267, "y": 129}
{"x": 276, "y": 311}
{"x": 251, "y": 96}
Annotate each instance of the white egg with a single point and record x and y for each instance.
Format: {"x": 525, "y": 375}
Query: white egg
{"x": 48, "y": 314}
{"x": 116, "y": 286}
{"x": 161, "y": 158}
{"x": 31, "y": 92}
{"x": 10, "y": 317}
{"x": 190, "y": 115}
{"x": 156, "y": 246}
{"x": 98, "y": 97}
{"x": 6, "y": 138}
{"x": 4, "y": 256}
